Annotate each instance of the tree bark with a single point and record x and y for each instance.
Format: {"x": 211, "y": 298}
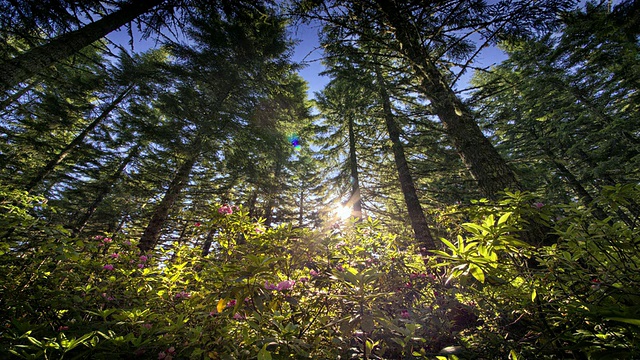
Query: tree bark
{"x": 482, "y": 160}
{"x": 416, "y": 215}
{"x": 151, "y": 234}
{"x": 271, "y": 196}
{"x": 206, "y": 247}
{"x": 34, "y": 61}
{"x": 51, "y": 165}
{"x": 355, "y": 200}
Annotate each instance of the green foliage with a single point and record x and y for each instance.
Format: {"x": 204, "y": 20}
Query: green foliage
{"x": 578, "y": 295}
{"x": 278, "y": 293}
{"x": 346, "y": 290}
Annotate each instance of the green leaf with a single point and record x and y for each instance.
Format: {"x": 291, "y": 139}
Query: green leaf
{"x": 476, "y": 272}
{"x": 504, "y": 218}
{"x": 264, "y": 354}
{"x": 449, "y": 244}
{"x": 625, "y": 320}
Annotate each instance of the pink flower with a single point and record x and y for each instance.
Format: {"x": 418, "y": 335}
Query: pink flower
{"x": 225, "y": 210}
{"x": 161, "y": 355}
{"x": 114, "y": 255}
{"x": 182, "y": 295}
{"x": 98, "y": 237}
{"x": 108, "y": 267}
{"x": 143, "y": 258}
{"x": 538, "y": 205}
{"x": 171, "y": 350}
{"x": 339, "y": 268}
{"x": 404, "y": 314}
{"x": 140, "y": 266}
{"x": 285, "y": 285}
{"x": 231, "y": 303}
{"x": 313, "y": 273}
{"x": 107, "y": 240}
{"x": 197, "y": 224}
{"x": 238, "y": 316}
{"x": 269, "y": 286}
{"x": 304, "y": 279}
{"x": 127, "y": 242}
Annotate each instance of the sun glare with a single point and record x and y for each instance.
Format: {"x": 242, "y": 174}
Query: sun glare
{"x": 343, "y": 212}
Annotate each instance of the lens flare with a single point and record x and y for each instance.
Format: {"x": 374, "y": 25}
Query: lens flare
{"x": 343, "y": 212}
{"x": 294, "y": 140}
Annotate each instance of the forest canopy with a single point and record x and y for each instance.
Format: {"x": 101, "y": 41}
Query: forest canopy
{"x": 194, "y": 201}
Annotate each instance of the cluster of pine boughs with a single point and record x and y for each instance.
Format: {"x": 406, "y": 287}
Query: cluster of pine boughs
{"x": 183, "y": 202}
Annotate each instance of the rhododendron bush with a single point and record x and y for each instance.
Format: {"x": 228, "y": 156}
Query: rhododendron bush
{"x": 347, "y": 290}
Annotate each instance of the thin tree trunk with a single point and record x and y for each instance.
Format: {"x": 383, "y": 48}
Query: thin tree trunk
{"x": 104, "y": 190}
{"x": 151, "y": 234}
{"x": 206, "y": 247}
{"x": 416, "y": 215}
{"x": 355, "y": 200}
{"x": 252, "y": 204}
{"x": 51, "y": 165}
{"x": 482, "y": 160}
{"x": 301, "y": 207}
{"x": 271, "y": 195}
{"x": 34, "y": 61}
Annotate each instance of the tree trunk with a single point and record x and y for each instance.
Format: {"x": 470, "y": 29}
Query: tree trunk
{"x": 301, "y": 206}
{"x": 355, "y": 200}
{"x": 482, "y": 160}
{"x": 38, "y": 59}
{"x": 151, "y": 234}
{"x": 271, "y": 196}
{"x": 416, "y": 215}
{"x": 104, "y": 190}
{"x": 51, "y": 165}
{"x": 206, "y": 247}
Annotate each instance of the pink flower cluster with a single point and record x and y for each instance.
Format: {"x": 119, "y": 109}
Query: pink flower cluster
{"x": 421, "y": 276}
{"x": 103, "y": 240}
{"x": 283, "y": 285}
{"x": 143, "y": 259}
{"x": 182, "y": 295}
{"x": 225, "y": 210}
{"x": 168, "y": 354}
{"x": 108, "y": 267}
{"x": 404, "y": 314}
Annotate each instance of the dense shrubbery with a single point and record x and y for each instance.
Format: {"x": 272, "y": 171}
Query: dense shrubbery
{"x": 349, "y": 290}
